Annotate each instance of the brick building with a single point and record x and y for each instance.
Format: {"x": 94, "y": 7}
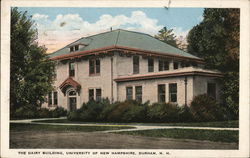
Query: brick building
{"x": 122, "y": 65}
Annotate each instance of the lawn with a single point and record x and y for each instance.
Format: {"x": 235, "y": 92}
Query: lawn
{"x": 210, "y": 135}
{"x": 63, "y": 128}
{"x": 223, "y": 124}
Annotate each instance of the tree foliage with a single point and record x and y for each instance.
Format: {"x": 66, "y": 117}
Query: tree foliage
{"x": 167, "y": 36}
{"x": 31, "y": 72}
{"x": 216, "y": 40}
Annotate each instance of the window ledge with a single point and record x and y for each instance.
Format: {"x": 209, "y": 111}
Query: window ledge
{"x": 93, "y": 75}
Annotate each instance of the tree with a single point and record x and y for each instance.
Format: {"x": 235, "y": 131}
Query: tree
{"x": 216, "y": 40}
{"x": 31, "y": 72}
{"x": 167, "y": 36}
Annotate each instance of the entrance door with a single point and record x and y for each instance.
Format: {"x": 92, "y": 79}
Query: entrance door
{"x": 72, "y": 100}
{"x": 72, "y": 103}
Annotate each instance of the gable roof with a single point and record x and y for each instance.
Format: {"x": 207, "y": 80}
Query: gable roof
{"x": 122, "y": 39}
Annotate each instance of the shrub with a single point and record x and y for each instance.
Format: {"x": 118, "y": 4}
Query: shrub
{"x": 185, "y": 114}
{"x": 163, "y": 112}
{"x": 107, "y": 109}
{"x": 91, "y": 110}
{"x": 59, "y": 112}
{"x": 74, "y": 116}
{"x": 26, "y": 112}
{"x": 136, "y": 113}
{"x": 205, "y": 108}
{"x": 120, "y": 109}
{"x": 44, "y": 113}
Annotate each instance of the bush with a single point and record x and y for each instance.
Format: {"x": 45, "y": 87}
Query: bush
{"x": 103, "y": 116}
{"x": 29, "y": 111}
{"x": 91, "y": 110}
{"x": 205, "y": 108}
{"x": 74, "y": 116}
{"x": 26, "y": 112}
{"x": 44, "y": 113}
{"x": 59, "y": 112}
{"x": 185, "y": 114}
{"x": 163, "y": 112}
{"x": 120, "y": 109}
{"x": 136, "y": 113}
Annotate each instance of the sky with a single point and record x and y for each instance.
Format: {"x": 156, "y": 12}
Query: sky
{"x": 58, "y": 27}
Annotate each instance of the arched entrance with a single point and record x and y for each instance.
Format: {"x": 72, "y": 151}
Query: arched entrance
{"x": 70, "y": 88}
{"x": 72, "y": 99}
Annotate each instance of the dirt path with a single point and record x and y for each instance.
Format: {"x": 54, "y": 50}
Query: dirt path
{"x": 88, "y": 140}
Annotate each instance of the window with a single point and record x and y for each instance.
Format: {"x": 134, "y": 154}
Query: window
{"x": 129, "y": 93}
{"x": 173, "y": 92}
{"x": 97, "y": 63}
{"x": 136, "y": 68}
{"x": 76, "y": 47}
{"x": 71, "y": 69}
{"x": 55, "y": 98}
{"x": 161, "y": 93}
{"x": 138, "y": 93}
{"x": 176, "y": 65}
{"x": 94, "y": 66}
{"x": 150, "y": 65}
{"x": 98, "y": 94}
{"x": 91, "y": 94}
{"x": 163, "y": 65}
{"x": 211, "y": 90}
{"x": 50, "y": 99}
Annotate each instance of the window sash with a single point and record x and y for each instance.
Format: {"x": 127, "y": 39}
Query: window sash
{"x": 176, "y": 65}
{"x": 55, "y": 98}
{"x": 91, "y": 94}
{"x": 136, "y": 68}
{"x": 91, "y": 66}
{"x": 163, "y": 65}
{"x": 98, "y": 66}
{"x": 98, "y": 94}
{"x": 173, "y": 92}
{"x": 150, "y": 65}
{"x": 50, "y": 99}
{"x": 138, "y": 93}
{"x": 162, "y": 93}
{"x": 129, "y": 93}
{"x": 76, "y": 47}
{"x": 94, "y": 66}
{"x": 71, "y": 69}
{"x": 211, "y": 90}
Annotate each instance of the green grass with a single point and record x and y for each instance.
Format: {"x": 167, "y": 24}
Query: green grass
{"x": 223, "y": 124}
{"x": 63, "y": 128}
{"x": 210, "y": 135}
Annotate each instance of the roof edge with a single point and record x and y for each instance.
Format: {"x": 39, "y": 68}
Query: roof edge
{"x": 121, "y": 48}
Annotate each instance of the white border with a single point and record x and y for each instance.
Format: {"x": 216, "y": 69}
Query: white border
{"x": 244, "y": 5}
